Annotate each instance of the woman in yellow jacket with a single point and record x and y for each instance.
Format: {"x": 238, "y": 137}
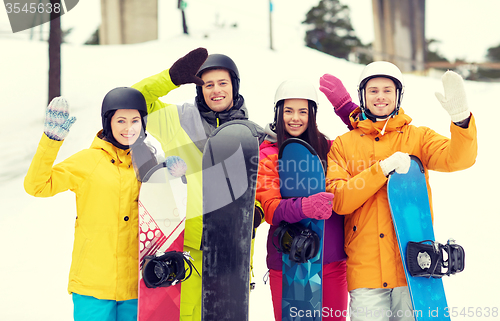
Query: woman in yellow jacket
{"x": 104, "y": 268}
{"x": 358, "y": 165}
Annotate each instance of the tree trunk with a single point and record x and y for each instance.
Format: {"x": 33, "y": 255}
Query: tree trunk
{"x": 55, "y": 39}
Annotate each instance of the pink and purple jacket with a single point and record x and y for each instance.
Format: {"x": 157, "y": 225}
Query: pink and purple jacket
{"x": 277, "y": 209}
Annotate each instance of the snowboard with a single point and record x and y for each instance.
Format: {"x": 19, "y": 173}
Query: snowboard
{"x": 301, "y": 174}
{"x": 411, "y": 215}
{"x": 162, "y": 213}
{"x": 230, "y": 164}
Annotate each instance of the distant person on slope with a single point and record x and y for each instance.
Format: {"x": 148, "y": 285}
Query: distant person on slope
{"x": 104, "y": 272}
{"x": 359, "y": 163}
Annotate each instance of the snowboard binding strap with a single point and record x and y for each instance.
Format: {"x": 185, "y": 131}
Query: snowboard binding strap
{"x": 427, "y": 258}
{"x": 301, "y": 243}
{"x": 166, "y": 269}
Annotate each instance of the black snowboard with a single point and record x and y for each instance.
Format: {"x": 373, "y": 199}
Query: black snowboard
{"x": 230, "y": 163}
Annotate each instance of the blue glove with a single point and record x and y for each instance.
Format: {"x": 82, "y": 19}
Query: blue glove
{"x": 57, "y": 120}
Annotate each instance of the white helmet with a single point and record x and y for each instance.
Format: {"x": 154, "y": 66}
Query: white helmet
{"x": 380, "y": 69}
{"x": 296, "y": 89}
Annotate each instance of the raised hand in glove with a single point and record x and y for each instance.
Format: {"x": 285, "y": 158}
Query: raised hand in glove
{"x": 57, "y": 120}
{"x": 334, "y": 90}
{"x": 318, "y": 206}
{"x": 338, "y": 96}
{"x": 454, "y": 100}
{"x": 399, "y": 162}
{"x": 184, "y": 70}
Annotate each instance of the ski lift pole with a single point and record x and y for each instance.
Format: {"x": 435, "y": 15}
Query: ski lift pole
{"x": 181, "y": 5}
{"x": 271, "y": 24}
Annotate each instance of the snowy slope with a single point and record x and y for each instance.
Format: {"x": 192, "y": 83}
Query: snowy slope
{"x": 36, "y": 234}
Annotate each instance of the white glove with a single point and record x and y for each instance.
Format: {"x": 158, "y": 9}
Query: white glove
{"x": 454, "y": 100}
{"x": 399, "y": 162}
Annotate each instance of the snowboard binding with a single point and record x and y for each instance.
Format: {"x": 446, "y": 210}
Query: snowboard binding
{"x": 429, "y": 259}
{"x": 166, "y": 269}
{"x": 301, "y": 243}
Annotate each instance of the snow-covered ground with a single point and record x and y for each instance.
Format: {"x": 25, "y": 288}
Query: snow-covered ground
{"x": 36, "y": 234}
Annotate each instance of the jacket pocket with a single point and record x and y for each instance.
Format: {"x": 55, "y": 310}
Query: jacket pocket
{"x": 81, "y": 258}
{"x": 351, "y": 228}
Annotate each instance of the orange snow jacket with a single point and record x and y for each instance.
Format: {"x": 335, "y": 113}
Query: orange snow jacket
{"x": 355, "y": 177}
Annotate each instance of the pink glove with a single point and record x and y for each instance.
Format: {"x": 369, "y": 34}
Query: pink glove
{"x": 318, "y": 206}
{"x": 334, "y": 90}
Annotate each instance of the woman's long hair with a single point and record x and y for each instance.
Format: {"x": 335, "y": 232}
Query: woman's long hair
{"x": 143, "y": 159}
{"x": 311, "y": 135}
{"x": 143, "y": 155}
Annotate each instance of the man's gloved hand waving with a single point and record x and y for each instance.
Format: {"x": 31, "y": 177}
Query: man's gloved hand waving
{"x": 184, "y": 70}
{"x": 454, "y": 100}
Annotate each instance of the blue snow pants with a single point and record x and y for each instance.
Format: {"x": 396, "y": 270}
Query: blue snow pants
{"x": 87, "y": 308}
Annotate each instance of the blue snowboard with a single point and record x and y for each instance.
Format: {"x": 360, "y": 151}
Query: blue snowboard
{"x": 411, "y": 214}
{"x": 301, "y": 174}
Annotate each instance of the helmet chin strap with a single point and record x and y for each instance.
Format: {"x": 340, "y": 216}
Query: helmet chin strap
{"x": 367, "y": 114}
{"x": 385, "y": 125}
{"x": 374, "y": 118}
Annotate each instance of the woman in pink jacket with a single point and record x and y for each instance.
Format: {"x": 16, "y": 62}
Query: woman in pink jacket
{"x": 295, "y": 116}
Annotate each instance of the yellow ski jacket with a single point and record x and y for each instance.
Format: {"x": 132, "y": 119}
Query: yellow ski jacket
{"x": 105, "y": 251}
{"x": 178, "y": 129}
{"x": 183, "y": 130}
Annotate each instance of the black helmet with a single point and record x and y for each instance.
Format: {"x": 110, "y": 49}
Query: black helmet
{"x": 216, "y": 61}
{"x": 122, "y": 98}
{"x": 219, "y": 61}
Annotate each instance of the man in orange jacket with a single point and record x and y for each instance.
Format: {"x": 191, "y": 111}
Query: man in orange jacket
{"x": 359, "y": 163}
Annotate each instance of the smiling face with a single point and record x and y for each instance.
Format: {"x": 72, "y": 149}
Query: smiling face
{"x": 380, "y": 95}
{"x": 295, "y": 116}
{"x": 126, "y": 126}
{"x": 218, "y": 89}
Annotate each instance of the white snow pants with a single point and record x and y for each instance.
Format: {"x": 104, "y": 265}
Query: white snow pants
{"x": 381, "y": 304}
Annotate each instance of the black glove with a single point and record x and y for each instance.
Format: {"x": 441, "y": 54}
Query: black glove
{"x": 258, "y": 215}
{"x": 184, "y": 70}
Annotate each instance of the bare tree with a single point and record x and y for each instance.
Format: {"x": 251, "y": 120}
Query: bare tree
{"x": 55, "y": 39}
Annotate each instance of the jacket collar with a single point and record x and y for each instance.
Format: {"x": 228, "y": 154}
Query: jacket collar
{"x": 369, "y": 127}
{"x": 270, "y": 135}
{"x": 238, "y": 111}
{"x": 117, "y": 154}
